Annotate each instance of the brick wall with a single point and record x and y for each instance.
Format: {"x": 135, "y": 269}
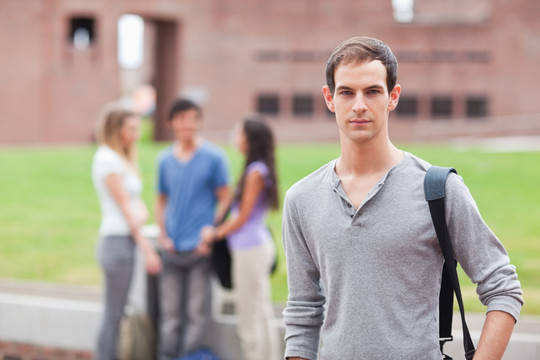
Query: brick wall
{"x": 228, "y": 53}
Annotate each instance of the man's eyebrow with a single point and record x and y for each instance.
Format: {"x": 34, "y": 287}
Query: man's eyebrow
{"x": 375, "y": 86}
{"x": 343, "y": 87}
{"x": 370, "y": 87}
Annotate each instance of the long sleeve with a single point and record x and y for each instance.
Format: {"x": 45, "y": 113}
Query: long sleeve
{"x": 304, "y": 313}
{"x": 480, "y": 253}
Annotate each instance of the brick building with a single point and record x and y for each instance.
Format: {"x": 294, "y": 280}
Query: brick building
{"x": 466, "y": 68}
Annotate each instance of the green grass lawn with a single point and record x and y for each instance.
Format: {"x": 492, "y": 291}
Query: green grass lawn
{"x": 49, "y": 213}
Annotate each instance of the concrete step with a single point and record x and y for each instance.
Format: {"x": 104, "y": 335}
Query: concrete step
{"x": 67, "y": 316}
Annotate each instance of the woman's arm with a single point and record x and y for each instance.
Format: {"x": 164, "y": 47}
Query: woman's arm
{"x": 116, "y": 188}
{"x": 224, "y": 198}
{"x": 253, "y": 186}
{"x": 159, "y": 214}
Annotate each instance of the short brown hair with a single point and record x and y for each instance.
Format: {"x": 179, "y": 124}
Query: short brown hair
{"x": 182, "y": 105}
{"x": 360, "y": 49}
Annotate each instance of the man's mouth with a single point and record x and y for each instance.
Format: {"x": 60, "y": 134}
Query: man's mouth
{"x": 359, "y": 121}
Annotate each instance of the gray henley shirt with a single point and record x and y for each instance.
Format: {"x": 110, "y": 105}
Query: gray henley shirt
{"x": 364, "y": 283}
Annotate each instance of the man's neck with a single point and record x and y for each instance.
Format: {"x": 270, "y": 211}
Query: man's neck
{"x": 185, "y": 148}
{"x": 366, "y": 159}
{"x": 187, "y": 145}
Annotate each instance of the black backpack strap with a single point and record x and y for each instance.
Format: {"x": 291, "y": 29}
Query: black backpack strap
{"x": 435, "y": 192}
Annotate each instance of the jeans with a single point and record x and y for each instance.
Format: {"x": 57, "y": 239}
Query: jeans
{"x": 116, "y": 255}
{"x": 185, "y": 302}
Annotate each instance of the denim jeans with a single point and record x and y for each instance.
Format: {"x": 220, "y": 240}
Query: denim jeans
{"x": 185, "y": 302}
{"x": 116, "y": 255}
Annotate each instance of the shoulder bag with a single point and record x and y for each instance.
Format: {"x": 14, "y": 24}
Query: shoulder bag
{"x": 435, "y": 192}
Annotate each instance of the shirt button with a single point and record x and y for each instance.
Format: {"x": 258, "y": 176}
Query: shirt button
{"x": 349, "y": 205}
{"x": 352, "y": 216}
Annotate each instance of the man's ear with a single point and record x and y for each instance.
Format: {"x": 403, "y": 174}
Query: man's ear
{"x": 394, "y": 97}
{"x": 328, "y": 98}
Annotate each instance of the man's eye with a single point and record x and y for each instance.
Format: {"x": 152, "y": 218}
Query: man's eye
{"x": 373, "y": 92}
{"x": 346, "y": 92}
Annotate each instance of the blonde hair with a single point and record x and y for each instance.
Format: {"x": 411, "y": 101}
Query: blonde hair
{"x": 109, "y": 133}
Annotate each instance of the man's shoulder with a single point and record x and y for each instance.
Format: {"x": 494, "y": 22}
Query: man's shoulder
{"x": 416, "y": 161}
{"x": 211, "y": 150}
{"x": 417, "y": 168}
{"x": 165, "y": 154}
{"x": 312, "y": 182}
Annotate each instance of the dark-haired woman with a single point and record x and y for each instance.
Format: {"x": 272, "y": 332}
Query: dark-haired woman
{"x": 251, "y": 244}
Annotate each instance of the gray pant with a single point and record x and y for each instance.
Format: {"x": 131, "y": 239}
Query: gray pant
{"x": 184, "y": 303}
{"x": 116, "y": 255}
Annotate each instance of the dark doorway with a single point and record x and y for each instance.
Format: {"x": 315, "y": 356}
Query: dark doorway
{"x": 148, "y": 57}
{"x": 165, "y": 74}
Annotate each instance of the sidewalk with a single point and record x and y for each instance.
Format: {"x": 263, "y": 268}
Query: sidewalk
{"x": 524, "y": 343}
{"x": 85, "y": 302}
{"x": 43, "y": 321}
{"x": 499, "y": 144}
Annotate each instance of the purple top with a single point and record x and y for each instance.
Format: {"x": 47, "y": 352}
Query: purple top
{"x": 254, "y": 232}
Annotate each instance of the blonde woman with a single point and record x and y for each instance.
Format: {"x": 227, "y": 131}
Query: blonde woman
{"x": 118, "y": 186}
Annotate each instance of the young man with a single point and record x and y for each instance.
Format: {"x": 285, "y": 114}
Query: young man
{"x": 192, "y": 183}
{"x": 364, "y": 265}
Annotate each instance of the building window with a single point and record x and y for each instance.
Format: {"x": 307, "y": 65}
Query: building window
{"x": 268, "y": 55}
{"x": 478, "y": 56}
{"x": 407, "y": 106}
{"x": 441, "y": 106}
{"x": 442, "y": 56}
{"x": 403, "y": 10}
{"x": 268, "y": 104}
{"x": 130, "y": 41}
{"x": 476, "y": 107}
{"x": 303, "y": 56}
{"x": 410, "y": 56}
{"x": 303, "y": 105}
{"x": 82, "y": 32}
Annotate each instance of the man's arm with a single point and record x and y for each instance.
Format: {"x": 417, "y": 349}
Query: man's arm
{"x": 223, "y": 195}
{"x": 304, "y": 314}
{"x": 495, "y": 335}
{"x": 487, "y": 264}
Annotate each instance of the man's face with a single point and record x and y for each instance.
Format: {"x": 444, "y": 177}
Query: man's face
{"x": 361, "y": 100}
{"x": 185, "y": 125}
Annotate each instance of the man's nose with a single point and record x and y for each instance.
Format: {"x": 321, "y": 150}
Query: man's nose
{"x": 359, "y": 104}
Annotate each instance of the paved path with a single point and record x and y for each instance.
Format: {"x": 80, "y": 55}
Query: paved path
{"x": 525, "y": 342}
{"x": 499, "y": 144}
{"x": 64, "y": 291}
